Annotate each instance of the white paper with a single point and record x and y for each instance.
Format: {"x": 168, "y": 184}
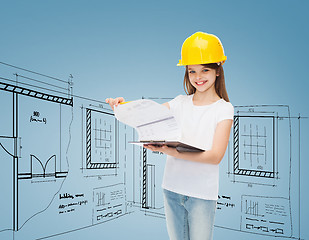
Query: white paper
{"x": 151, "y": 120}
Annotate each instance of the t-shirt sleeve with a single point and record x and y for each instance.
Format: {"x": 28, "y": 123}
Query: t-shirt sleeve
{"x": 226, "y": 112}
{"x": 175, "y": 102}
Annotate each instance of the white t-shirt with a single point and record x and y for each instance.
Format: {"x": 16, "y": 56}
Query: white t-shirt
{"x": 198, "y": 124}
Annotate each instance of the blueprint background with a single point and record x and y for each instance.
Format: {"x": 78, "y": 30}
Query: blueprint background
{"x": 131, "y": 48}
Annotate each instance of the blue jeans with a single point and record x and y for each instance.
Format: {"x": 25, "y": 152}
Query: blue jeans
{"x": 188, "y": 218}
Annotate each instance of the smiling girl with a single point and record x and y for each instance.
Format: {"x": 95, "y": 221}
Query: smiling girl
{"x": 191, "y": 179}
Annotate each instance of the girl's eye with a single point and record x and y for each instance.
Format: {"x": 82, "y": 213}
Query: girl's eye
{"x": 191, "y": 71}
{"x": 205, "y": 70}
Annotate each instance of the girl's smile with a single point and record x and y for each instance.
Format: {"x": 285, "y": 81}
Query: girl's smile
{"x": 201, "y": 77}
{"x": 201, "y": 83}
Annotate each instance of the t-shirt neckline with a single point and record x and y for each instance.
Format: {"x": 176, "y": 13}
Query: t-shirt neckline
{"x": 208, "y": 105}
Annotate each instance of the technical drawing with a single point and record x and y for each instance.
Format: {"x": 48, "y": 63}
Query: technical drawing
{"x": 266, "y": 215}
{"x": 150, "y": 201}
{"x": 131, "y": 156}
{"x": 101, "y": 140}
{"x": 261, "y": 162}
{"x": 38, "y": 169}
{"x": 254, "y": 146}
{"x": 35, "y": 94}
{"x": 72, "y": 166}
{"x": 40, "y": 129}
{"x": 6, "y": 176}
{"x": 109, "y": 202}
{"x": 152, "y": 174}
{"x": 28, "y": 136}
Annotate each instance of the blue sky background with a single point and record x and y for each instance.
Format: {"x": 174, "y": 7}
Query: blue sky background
{"x": 131, "y": 48}
{"x": 120, "y": 46}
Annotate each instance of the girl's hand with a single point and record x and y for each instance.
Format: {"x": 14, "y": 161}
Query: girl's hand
{"x": 114, "y": 102}
{"x": 163, "y": 149}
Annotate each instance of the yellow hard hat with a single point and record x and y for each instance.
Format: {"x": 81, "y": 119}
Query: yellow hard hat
{"x": 201, "y": 48}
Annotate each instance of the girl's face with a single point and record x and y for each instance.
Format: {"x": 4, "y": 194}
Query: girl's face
{"x": 201, "y": 77}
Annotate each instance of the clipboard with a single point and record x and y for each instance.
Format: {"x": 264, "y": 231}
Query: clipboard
{"x": 153, "y": 121}
{"x": 180, "y": 147}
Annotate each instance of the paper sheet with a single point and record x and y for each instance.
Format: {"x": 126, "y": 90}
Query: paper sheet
{"x": 152, "y": 120}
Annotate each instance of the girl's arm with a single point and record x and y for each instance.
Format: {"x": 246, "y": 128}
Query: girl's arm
{"x": 166, "y": 105}
{"x": 213, "y": 156}
{"x": 114, "y": 102}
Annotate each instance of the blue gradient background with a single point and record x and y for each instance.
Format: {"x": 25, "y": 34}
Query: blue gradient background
{"x": 131, "y": 48}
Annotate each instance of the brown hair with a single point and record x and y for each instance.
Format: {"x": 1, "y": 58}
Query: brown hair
{"x": 219, "y": 83}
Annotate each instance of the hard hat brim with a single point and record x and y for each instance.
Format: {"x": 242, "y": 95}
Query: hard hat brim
{"x": 180, "y": 63}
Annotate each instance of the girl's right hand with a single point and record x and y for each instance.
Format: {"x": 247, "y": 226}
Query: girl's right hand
{"x": 114, "y": 102}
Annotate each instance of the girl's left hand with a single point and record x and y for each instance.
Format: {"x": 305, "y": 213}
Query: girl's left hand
{"x": 163, "y": 149}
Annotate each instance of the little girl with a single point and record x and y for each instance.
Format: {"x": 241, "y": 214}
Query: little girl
{"x": 190, "y": 182}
